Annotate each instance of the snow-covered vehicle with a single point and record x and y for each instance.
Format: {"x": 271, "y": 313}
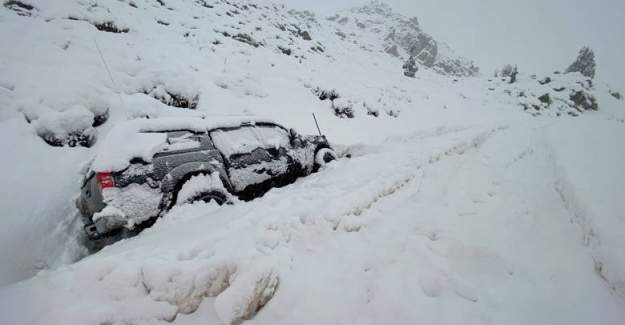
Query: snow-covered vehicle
{"x": 145, "y": 167}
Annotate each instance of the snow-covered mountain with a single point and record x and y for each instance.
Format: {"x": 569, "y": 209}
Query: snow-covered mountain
{"x": 459, "y": 198}
{"x": 401, "y": 37}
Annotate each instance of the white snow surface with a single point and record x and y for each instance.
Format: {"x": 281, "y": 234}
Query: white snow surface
{"x": 454, "y": 207}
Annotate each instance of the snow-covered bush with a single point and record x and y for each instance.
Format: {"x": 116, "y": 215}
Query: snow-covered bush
{"x": 171, "y": 98}
{"x": 343, "y": 108}
{"x": 247, "y": 39}
{"x": 371, "y": 109}
{"x": 584, "y": 64}
{"x": 509, "y": 71}
{"x": 570, "y": 93}
{"x": 410, "y": 67}
{"x": 584, "y": 100}
{"x": 506, "y": 71}
{"x": 324, "y": 94}
{"x": 69, "y": 128}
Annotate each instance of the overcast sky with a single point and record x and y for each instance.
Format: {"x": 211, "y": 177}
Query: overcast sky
{"x": 538, "y": 35}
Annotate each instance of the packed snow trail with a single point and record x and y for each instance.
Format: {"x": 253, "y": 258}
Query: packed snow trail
{"x": 453, "y": 225}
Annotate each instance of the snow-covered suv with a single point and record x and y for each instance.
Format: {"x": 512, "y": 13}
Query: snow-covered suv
{"x": 145, "y": 167}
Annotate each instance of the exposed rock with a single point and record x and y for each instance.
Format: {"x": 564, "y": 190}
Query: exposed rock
{"x": 423, "y": 47}
{"x": 21, "y": 8}
{"x": 456, "y": 67}
{"x": 545, "y": 99}
{"x": 584, "y": 100}
{"x": 400, "y": 32}
{"x": 392, "y": 50}
{"x": 305, "y": 35}
{"x": 616, "y": 94}
{"x": 544, "y": 81}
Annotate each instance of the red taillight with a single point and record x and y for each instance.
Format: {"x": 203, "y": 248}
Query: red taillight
{"x": 105, "y": 180}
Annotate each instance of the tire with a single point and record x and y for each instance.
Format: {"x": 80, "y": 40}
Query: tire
{"x": 323, "y": 157}
{"x": 202, "y": 188}
{"x": 213, "y": 196}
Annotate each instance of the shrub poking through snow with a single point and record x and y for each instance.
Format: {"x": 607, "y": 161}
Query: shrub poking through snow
{"x": 70, "y": 128}
{"x": 509, "y": 71}
{"x": 410, "y": 67}
{"x": 21, "y": 8}
{"x": 171, "y": 98}
{"x": 285, "y": 50}
{"x": 584, "y": 64}
{"x": 343, "y": 108}
{"x": 373, "y": 111}
{"x": 100, "y": 116}
{"x": 584, "y": 101}
{"x": 616, "y": 94}
{"x": 392, "y": 113}
{"x": 109, "y": 26}
{"x": 247, "y": 39}
{"x": 324, "y": 94}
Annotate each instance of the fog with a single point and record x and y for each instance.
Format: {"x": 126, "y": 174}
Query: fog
{"x": 539, "y": 36}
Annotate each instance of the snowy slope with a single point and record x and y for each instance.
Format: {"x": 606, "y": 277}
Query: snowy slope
{"x": 463, "y": 200}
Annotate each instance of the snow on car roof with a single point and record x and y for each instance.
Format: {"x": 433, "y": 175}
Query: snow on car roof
{"x": 142, "y": 138}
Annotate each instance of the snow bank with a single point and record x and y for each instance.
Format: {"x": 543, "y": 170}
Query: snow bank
{"x": 590, "y": 178}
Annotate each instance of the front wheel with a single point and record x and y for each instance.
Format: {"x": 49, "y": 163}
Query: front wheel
{"x": 323, "y": 157}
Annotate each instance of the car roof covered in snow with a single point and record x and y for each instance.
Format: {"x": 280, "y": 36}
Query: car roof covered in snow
{"x": 142, "y": 138}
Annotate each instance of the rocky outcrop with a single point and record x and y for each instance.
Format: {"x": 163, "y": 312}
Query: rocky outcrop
{"x": 402, "y": 37}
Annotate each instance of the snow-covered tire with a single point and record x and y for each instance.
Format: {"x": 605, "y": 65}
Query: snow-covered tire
{"x": 324, "y": 156}
{"x": 203, "y": 187}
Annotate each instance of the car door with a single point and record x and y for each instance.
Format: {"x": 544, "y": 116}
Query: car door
{"x": 256, "y": 156}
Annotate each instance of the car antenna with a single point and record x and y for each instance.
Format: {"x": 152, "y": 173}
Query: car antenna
{"x": 108, "y": 70}
{"x": 317, "y": 124}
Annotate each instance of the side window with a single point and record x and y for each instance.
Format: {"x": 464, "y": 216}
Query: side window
{"x": 182, "y": 140}
{"x": 247, "y": 138}
{"x": 272, "y": 136}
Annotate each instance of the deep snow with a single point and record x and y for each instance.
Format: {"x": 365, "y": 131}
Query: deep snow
{"x": 456, "y": 206}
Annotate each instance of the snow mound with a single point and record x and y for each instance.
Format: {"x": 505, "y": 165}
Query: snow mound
{"x": 69, "y": 128}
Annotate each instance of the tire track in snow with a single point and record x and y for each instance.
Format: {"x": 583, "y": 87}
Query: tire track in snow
{"x": 458, "y": 149}
{"x": 579, "y": 216}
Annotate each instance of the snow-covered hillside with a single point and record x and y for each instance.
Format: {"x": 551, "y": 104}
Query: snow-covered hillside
{"x": 458, "y": 198}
